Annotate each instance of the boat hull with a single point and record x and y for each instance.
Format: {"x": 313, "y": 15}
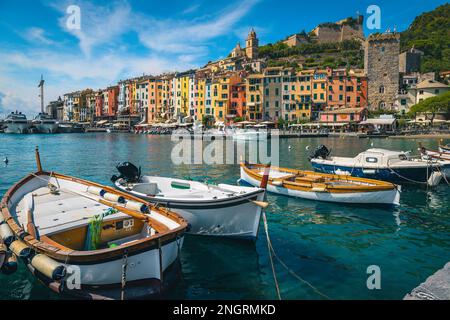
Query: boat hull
{"x": 394, "y": 175}
{"x": 46, "y": 127}
{"x": 236, "y": 217}
{"x": 444, "y": 149}
{"x": 145, "y": 258}
{"x": 17, "y": 128}
{"x": 389, "y": 197}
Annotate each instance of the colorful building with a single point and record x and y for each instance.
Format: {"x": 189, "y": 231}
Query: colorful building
{"x": 255, "y": 96}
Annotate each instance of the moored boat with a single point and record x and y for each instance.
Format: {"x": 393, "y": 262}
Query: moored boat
{"x": 380, "y": 164}
{"x": 442, "y": 158}
{"x": 90, "y": 241}
{"x": 44, "y": 123}
{"x": 222, "y": 210}
{"x": 444, "y": 148}
{"x": 322, "y": 187}
{"x": 16, "y": 122}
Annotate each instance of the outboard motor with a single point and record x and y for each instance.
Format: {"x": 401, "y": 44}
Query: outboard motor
{"x": 128, "y": 171}
{"x": 320, "y": 152}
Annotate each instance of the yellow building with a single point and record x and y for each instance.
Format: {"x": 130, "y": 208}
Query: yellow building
{"x": 303, "y": 94}
{"x": 184, "y": 102}
{"x": 200, "y": 100}
{"x": 254, "y": 96}
{"x": 319, "y": 92}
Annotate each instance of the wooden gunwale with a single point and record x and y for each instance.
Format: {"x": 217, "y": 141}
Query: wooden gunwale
{"x": 377, "y": 185}
{"x": 96, "y": 256}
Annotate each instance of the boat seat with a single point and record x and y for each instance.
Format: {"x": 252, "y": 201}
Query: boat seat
{"x": 315, "y": 179}
{"x": 148, "y": 188}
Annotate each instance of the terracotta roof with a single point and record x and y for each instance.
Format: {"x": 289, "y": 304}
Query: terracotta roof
{"x": 430, "y": 84}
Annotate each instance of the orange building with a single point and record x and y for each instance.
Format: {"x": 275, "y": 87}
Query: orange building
{"x": 113, "y": 100}
{"x": 99, "y": 104}
{"x": 346, "y": 90}
{"x": 238, "y": 100}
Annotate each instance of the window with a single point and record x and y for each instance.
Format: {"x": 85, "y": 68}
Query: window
{"x": 348, "y": 99}
{"x": 315, "y": 86}
{"x": 436, "y": 91}
{"x": 403, "y": 102}
{"x": 371, "y": 160}
{"x": 330, "y": 98}
{"x": 421, "y": 92}
{"x": 381, "y": 89}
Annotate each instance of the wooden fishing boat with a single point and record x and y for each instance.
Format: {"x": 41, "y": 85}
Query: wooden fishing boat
{"x": 443, "y": 158}
{"x": 323, "y": 187}
{"x": 444, "y": 148}
{"x": 88, "y": 240}
{"x": 223, "y": 210}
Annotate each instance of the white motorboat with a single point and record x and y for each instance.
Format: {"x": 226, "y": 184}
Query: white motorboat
{"x": 222, "y": 210}
{"x": 250, "y": 135}
{"x": 380, "y": 164}
{"x": 16, "y": 122}
{"x": 44, "y": 123}
{"x": 87, "y": 240}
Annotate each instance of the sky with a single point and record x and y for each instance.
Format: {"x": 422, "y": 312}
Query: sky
{"x": 118, "y": 39}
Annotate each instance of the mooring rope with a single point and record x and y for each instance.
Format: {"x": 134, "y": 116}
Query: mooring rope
{"x": 295, "y": 275}
{"x": 266, "y": 228}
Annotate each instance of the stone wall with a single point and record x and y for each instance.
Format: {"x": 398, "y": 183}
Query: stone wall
{"x": 381, "y": 65}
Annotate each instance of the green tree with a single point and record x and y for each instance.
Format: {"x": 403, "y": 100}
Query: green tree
{"x": 431, "y": 106}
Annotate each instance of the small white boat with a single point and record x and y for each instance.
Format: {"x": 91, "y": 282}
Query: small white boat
{"x": 380, "y": 164}
{"x": 16, "y": 122}
{"x": 106, "y": 241}
{"x": 443, "y": 158}
{"x": 44, "y": 123}
{"x": 250, "y": 135}
{"x": 222, "y": 210}
{"x": 322, "y": 187}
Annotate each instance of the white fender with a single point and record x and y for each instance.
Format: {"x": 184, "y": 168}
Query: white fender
{"x": 137, "y": 206}
{"x": 6, "y": 233}
{"x": 20, "y": 249}
{"x": 48, "y": 267}
{"x": 97, "y": 191}
{"x": 114, "y": 197}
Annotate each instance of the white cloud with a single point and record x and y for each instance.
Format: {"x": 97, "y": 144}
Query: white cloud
{"x": 191, "y": 36}
{"x": 104, "y": 57}
{"x": 36, "y": 35}
{"x": 100, "y": 25}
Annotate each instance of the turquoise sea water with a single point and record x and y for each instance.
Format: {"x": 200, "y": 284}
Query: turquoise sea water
{"x": 329, "y": 245}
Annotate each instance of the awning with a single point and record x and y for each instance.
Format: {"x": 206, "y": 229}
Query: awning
{"x": 102, "y": 122}
{"x": 378, "y": 121}
{"x": 334, "y": 124}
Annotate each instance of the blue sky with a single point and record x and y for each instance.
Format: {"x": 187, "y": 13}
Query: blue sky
{"x": 124, "y": 38}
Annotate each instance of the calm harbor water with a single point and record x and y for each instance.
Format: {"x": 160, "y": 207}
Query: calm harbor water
{"x": 328, "y": 245}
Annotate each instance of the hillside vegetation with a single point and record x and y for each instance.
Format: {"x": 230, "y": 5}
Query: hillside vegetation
{"x": 310, "y": 55}
{"x": 430, "y": 33}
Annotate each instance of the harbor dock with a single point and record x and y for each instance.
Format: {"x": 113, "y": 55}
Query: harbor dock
{"x": 436, "y": 287}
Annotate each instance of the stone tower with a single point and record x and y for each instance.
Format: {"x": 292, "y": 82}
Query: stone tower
{"x": 252, "y": 43}
{"x": 381, "y": 65}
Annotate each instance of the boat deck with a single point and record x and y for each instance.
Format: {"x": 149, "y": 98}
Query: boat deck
{"x": 58, "y": 212}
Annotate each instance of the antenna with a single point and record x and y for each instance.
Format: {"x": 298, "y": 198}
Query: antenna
{"x": 41, "y": 85}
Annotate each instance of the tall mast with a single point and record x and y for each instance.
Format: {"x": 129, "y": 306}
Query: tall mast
{"x": 41, "y": 85}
